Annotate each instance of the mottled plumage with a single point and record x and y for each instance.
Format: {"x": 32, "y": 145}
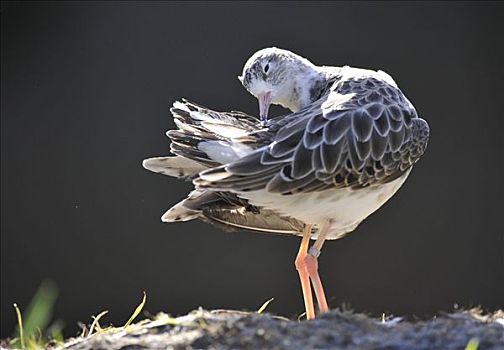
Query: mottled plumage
{"x": 361, "y": 131}
{"x": 318, "y": 172}
{"x": 366, "y": 140}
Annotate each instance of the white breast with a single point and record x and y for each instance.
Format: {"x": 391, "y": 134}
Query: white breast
{"x": 345, "y": 207}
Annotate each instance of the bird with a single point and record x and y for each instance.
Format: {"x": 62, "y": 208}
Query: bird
{"x": 346, "y": 145}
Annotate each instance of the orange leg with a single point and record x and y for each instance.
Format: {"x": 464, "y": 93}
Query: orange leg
{"x": 304, "y": 276}
{"x": 311, "y": 264}
{"x": 312, "y": 268}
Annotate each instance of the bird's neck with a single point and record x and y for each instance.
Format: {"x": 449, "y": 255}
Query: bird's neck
{"x": 308, "y": 87}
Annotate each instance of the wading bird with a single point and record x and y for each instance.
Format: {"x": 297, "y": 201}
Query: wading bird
{"x": 318, "y": 172}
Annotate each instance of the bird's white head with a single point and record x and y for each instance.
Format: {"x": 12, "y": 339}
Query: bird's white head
{"x": 277, "y": 76}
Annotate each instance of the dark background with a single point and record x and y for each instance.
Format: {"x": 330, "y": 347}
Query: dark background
{"x": 86, "y": 91}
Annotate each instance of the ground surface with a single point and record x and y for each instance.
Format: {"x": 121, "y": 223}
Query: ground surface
{"x": 223, "y": 329}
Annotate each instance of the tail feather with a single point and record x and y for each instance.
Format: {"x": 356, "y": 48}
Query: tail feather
{"x": 190, "y": 208}
{"x": 179, "y": 212}
{"x": 173, "y": 166}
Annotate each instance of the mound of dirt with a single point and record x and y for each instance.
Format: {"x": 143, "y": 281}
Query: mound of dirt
{"x": 223, "y": 329}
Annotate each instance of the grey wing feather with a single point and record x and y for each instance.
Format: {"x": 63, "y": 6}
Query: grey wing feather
{"x": 229, "y": 212}
{"x": 206, "y": 139}
{"x": 265, "y": 221}
{"x": 209, "y": 137}
{"x": 363, "y": 132}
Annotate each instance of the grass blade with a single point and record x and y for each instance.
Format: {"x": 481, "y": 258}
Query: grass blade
{"x": 265, "y": 305}
{"x": 96, "y": 322}
{"x": 137, "y": 311}
{"x": 20, "y": 325}
{"x": 39, "y": 312}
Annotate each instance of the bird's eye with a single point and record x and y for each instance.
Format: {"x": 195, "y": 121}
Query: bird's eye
{"x": 266, "y": 68}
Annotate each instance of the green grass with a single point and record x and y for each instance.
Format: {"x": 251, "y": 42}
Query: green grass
{"x": 472, "y": 345}
{"x": 34, "y": 332}
{"x": 137, "y": 311}
{"x": 33, "y": 329}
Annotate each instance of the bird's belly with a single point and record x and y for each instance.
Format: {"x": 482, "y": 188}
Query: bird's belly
{"x": 346, "y": 208}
